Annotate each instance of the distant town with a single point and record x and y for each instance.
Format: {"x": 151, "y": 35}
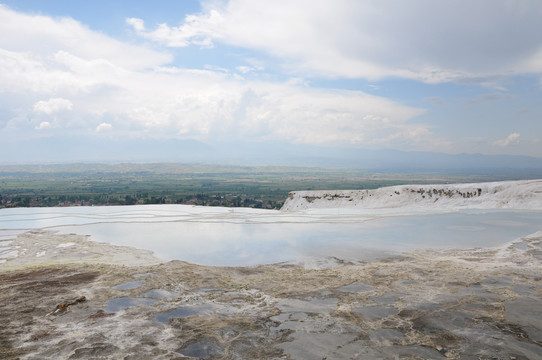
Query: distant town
{"x": 226, "y": 200}
{"x": 81, "y": 184}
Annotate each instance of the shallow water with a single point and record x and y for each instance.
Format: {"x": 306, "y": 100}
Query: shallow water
{"x": 129, "y": 285}
{"x": 126, "y": 302}
{"x": 202, "y": 350}
{"x": 184, "y": 311}
{"x": 231, "y": 237}
{"x": 430, "y": 305}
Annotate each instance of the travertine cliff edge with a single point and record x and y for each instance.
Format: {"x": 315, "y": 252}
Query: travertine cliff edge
{"x": 524, "y": 194}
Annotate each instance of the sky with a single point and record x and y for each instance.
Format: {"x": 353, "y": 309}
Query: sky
{"x": 421, "y": 75}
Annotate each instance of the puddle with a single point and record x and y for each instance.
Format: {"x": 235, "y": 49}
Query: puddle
{"x": 383, "y": 336}
{"x": 389, "y": 298}
{"x": 443, "y": 322}
{"x": 202, "y": 350}
{"x": 129, "y": 285}
{"x": 161, "y": 294}
{"x": 524, "y": 289}
{"x": 526, "y": 311}
{"x": 184, "y": 311}
{"x": 291, "y": 307}
{"x": 415, "y": 352}
{"x": 307, "y": 319}
{"x": 315, "y": 346}
{"x": 373, "y": 313}
{"x": 427, "y": 306}
{"x": 123, "y": 303}
{"x": 177, "y": 313}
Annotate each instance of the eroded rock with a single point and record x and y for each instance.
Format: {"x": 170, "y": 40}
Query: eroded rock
{"x": 429, "y": 304}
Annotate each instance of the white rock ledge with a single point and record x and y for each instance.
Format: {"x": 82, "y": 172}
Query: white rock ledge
{"x": 524, "y": 194}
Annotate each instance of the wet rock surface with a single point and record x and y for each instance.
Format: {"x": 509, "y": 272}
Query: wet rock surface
{"x": 432, "y": 304}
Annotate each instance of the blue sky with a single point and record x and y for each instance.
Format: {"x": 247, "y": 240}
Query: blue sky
{"x": 454, "y": 77}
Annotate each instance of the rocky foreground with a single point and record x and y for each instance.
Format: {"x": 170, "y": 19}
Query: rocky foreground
{"x": 84, "y": 300}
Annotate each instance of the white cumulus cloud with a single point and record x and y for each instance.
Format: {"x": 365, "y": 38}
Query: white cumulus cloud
{"x": 510, "y": 140}
{"x": 43, "y": 125}
{"x": 53, "y": 105}
{"x": 104, "y": 127}
{"x": 195, "y": 29}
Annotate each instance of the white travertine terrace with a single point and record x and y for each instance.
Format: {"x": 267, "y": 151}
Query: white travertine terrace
{"x": 524, "y": 194}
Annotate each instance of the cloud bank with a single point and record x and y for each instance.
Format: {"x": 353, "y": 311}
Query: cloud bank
{"x": 424, "y": 40}
{"x": 132, "y": 91}
{"x": 448, "y": 73}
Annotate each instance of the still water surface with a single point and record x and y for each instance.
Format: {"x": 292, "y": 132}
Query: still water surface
{"x": 225, "y": 236}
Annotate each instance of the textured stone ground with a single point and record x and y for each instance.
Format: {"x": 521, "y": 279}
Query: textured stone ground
{"x": 467, "y": 304}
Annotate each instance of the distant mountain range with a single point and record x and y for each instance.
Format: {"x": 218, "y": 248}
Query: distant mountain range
{"x": 60, "y": 150}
